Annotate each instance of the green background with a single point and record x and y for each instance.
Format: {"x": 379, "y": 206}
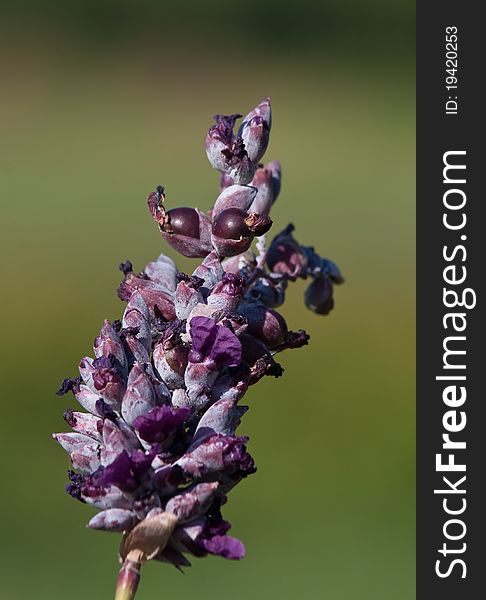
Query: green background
{"x": 100, "y": 102}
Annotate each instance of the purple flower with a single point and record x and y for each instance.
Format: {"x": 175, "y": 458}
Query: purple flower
{"x": 215, "y": 342}
{"x": 156, "y": 448}
{"x": 160, "y": 423}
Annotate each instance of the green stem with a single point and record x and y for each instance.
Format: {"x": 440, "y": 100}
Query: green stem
{"x": 128, "y": 578}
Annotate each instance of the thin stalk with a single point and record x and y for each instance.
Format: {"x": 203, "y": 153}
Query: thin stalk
{"x": 128, "y": 578}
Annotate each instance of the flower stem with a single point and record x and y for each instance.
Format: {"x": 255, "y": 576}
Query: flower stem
{"x": 128, "y": 578}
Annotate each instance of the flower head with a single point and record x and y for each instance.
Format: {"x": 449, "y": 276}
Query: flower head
{"x": 155, "y": 450}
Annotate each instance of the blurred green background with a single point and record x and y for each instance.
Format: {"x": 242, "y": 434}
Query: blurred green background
{"x": 100, "y": 102}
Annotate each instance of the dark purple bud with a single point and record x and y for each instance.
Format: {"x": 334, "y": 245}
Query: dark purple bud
{"x": 318, "y": 296}
{"x": 264, "y": 323}
{"x": 234, "y": 231}
{"x": 160, "y": 423}
{"x": 286, "y": 257}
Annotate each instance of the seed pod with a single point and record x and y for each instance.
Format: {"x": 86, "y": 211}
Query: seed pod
{"x": 187, "y": 230}
{"x": 233, "y": 230}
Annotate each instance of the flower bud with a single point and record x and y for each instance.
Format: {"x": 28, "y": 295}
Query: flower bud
{"x": 318, "y": 296}
{"x": 210, "y": 270}
{"x": 84, "y": 423}
{"x": 255, "y": 134}
{"x": 193, "y": 503}
{"x": 139, "y": 397}
{"x": 235, "y": 196}
{"x": 227, "y": 294}
{"x": 263, "y": 110}
{"x": 227, "y": 153}
{"x": 159, "y": 300}
{"x": 114, "y": 519}
{"x": 221, "y": 457}
{"x": 163, "y": 272}
{"x": 267, "y": 181}
{"x": 109, "y": 343}
{"x": 137, "y": 318}
{"x": 187, "y": 295}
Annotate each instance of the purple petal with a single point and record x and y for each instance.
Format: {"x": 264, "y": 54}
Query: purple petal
{"x": 225, "y": 546}
{"x": 226, "y": 350}
{"x": 160, "y": 423}
{"x": 203, "y": 333}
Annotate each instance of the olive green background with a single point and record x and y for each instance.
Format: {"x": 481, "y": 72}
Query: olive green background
{"x": 100, "y": 102}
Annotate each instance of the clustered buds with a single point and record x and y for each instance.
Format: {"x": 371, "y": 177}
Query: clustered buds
{"x": 155, "y": 450}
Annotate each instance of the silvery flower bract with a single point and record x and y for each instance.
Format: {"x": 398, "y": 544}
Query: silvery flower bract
{"x": 153, "y": 445}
